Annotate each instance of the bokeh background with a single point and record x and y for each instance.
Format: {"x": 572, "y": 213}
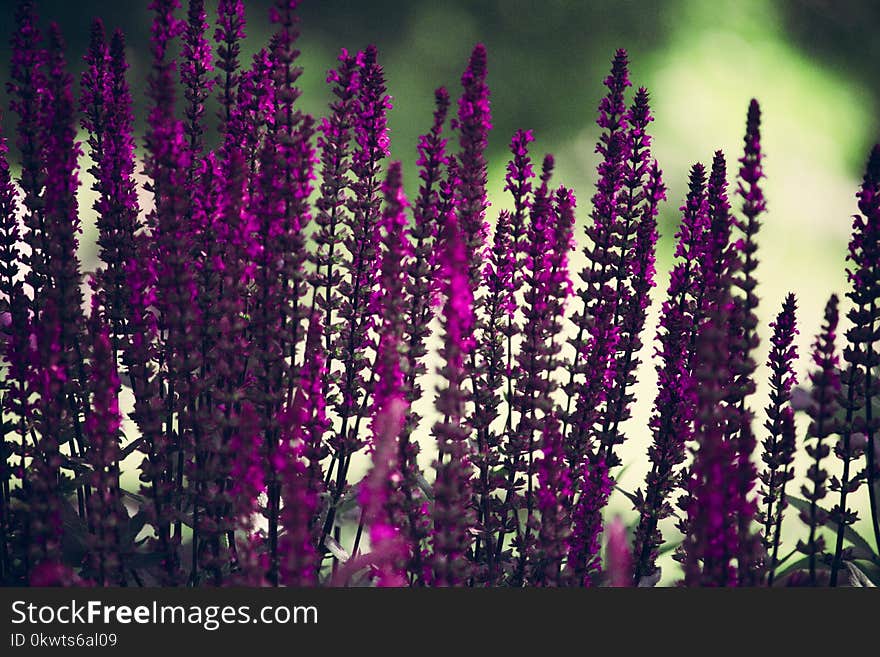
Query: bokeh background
{"x": 810, "y": 63}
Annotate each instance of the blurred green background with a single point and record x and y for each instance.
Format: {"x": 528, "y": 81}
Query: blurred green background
{"x": 811, "y": 64}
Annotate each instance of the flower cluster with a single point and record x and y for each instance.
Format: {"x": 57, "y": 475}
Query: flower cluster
{"x": 331, "y": 385}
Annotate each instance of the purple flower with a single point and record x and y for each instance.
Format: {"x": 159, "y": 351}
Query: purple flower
{"x": 861, "y": 355}
{"x": 381, "y": 495}
{"x": 293, "y": 142}
{"x": 583, "y": 565}
{"x": 453, "y": 516}
{"x": 195, "y": 72}
{"x": 228, "y": 35}
{"x": 546, "y": 290}
{"x": 107, "y": 116}
{"x": 711, "y": 541}
{"x": 296, "y": 545}
{"x": 825, "y": 379}
{"x": 361, "y": 268}
{"x": 779, "y": 446}
{"x": 642, "y": 190}
{"x": 14, "y": 312}
{"x": 302, "y": 451}
{"x": 269, "y": 369}
{"x": 48, "y": 381}
{"x": 670, "y": 421}
{"x": 553, "y": 495}
{"x": 599, "y": 296}
{"x": 107, "y": 517}
{"x": 618, "y": 557}
{"x": 27, "y": 91}
{"x": 518, "y": 181}
{"x": 423, "y": 235}
{"x": 334, "y": 143}
{"x": 247, "y": 482}
{"x": 473, "y": 123}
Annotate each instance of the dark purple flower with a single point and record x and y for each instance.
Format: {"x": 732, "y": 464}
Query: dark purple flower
{"x": 381, "y": 495}
{"x": 11, "y": 294}
{"x": 453, "y": 515}
{"x": 825, "y": 379}
{"x": 711, "y": 541}
{"x": 334, "y": 142}
{"x": 269, "y": 369}
{"x": 27, "y": 91}
{"x": 860, "y": 354}
{"x": 618, "y": 558}
{"x": 107, "y": 116}
{"x": 599, "y": 296}
{"x": 474, "y": 122}
{"x": 107, "y": 517}
{"x": 670, "y": 422}
{"x": 361, "y": 268}
{"x": 247, "y": 481}
{"x": 195, "y": 74}
{"x": 292, "y": 139}
{"x": 228, "y": 36}
{"x": 642, "y": 190}
{"x": 778, "y": 448}
{"x": 583, "y": 565}
{"x": 553, "y": 495}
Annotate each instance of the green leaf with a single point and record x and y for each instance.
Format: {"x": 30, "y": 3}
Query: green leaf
{"x": 864, "y": 548}
{"x": 870, "y": 570}
{"x": 800, "y": 564}
{"x": 857, "y": 578}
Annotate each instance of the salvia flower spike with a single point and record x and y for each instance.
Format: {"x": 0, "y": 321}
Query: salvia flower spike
{"x": 778, "y": 453}
{"x": 823, "y": 408}
{"x": 274, "y": 314}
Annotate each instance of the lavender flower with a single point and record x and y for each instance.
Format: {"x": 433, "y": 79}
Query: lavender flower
{"x": 247, "y": 482}
{"x": 195, "y": 75}
{"x": 533, "y": 364}
{"x": 711, "y": 542}
{"x": 334, "y": 143}
{"x": 27, "y": 91}
{"x": 11, "y": 295}
{"x": 228, "y": 36}
{"x": 302, "y": 452}
{"x": 380, "y": 497}
{"x": 826, "y": 387}
{"x": 583, "y": 565}
{"x": 47, "y": 379}
{"x": 107, "y": 116}
{"x": 612, "y": 146}
{"x": 453, "y": 517}
{"x": 371, "y": 138}
{"x": 554, "y": 491}
{"x": 138, "y": 356}
{"x": 497, "y": 327}
{"x": 599, "y": 297}
{"x": 474, "y": 123}
{"x": 860, "y": 354}
{"x": 169, "y": 163}
{"x": 270, "y": 369}
{"x": 293, "y": 134}
{"x": 670, "y": 422}
{"x": 296, "y": 545}
{"x": 106, "y": 514}
{"x": 423, "y": 235}
{"x": 61, "y": 225}
{"x": 778, "y": 449}
{"x": 420, "y": 280}
{"x": 634, "y": 269}
{"x": 617, "y": 555}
